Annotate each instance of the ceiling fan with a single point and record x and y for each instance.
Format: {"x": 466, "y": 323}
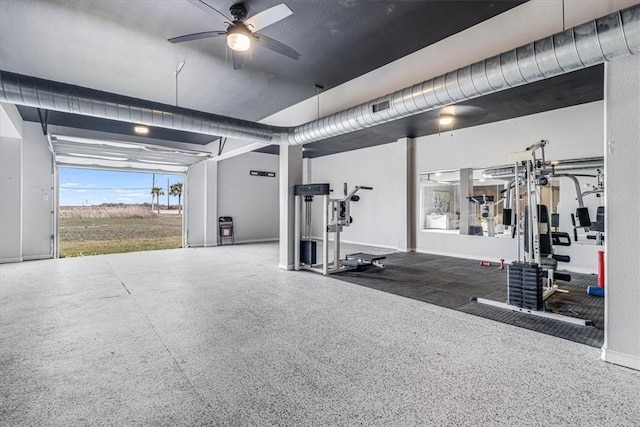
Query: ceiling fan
{"x": 241, "y": 33}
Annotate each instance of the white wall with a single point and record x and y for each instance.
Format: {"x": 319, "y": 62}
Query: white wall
{"x": 225, "y": 188}
{"x": 37, "y": 194}
{"x": 10, "y": 199}
{"x": 200, "y": 204}
{"x": 27, "y": 202}
{"x": 375, "y": 215}
{"x": 252, "y": 201}
{"x": 27, "y": 198}
{"x": 11, "y": 130}
{"x": 622, "y": 246}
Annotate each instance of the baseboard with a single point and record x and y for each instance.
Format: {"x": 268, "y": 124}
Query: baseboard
{"x": 200, "y": 245}
{"x": 268, "y": 239}
{"x": 36, "y": 257}
{"x": 567, "y": 267}
{"x": 8, "y": 260}
{"x": 463, "y": 256}
{"x": 352, "y": 242}
{"x": 285, "y": 267}
{"x": 561, "y": 266}
{"x": 622, "y": 359}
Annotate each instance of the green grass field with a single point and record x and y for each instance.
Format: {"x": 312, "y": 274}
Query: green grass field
{"x": 97, "y": 236}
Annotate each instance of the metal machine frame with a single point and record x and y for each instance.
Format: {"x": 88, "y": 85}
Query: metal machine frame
{"x": 533, "y": 173}
{"x": 336, "y": 214}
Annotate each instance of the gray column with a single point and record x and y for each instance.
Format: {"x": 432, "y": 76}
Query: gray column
{"x": 404, "y": 191}
{"x": 290, "y": 175}
{"x": 466, "y": 190}
{"x": 201, "y": 204}
{"x": 211, "y": 221}
{"x": 622, "y": 204}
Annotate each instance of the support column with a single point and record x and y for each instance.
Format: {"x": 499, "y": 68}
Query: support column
{"x": 466, "y": 191}
{"x": 307, "y": 171}
{"x": 622, "y": 204}
{"x": 290, "y": 175}
{"x": 404, "y": 191}
{"x": 211, "y": 209}
{"x": 201, "y": 204}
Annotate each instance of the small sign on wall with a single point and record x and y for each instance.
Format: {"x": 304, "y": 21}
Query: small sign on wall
{"x": 262, "y": 173}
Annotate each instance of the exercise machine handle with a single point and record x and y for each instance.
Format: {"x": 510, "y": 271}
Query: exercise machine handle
{"x": 362, "y": 187}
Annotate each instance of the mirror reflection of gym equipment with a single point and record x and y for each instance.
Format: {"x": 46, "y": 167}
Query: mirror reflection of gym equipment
{"x": 573, "y": 195}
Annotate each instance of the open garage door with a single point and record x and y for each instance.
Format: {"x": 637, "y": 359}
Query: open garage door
{"x": 99, "y": 154}
{"x": 72, "y": 151}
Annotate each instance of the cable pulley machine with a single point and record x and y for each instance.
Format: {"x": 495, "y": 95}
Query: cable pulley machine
{"x": 336, "y": 214}
{"x": 531, "y": 279}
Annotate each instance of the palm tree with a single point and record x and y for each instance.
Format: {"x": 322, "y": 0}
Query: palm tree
{"x": 176, "y": 191}
{"x": 156, "y": 192}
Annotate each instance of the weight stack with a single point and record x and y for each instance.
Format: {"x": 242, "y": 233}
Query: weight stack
{"x": 524, "y": 283}
{"x": 308, "y": 249}
{"x": 514, "y": 284}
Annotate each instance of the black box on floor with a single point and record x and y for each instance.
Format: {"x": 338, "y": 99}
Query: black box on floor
{"x": 308, "y": 250}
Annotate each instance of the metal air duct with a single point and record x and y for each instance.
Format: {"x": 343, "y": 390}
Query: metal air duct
{"x": 610, "y": 37}
{"x": 55, "y": 96}
{"x": 553, "y": 166}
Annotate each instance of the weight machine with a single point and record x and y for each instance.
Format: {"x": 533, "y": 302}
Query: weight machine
{"x": 336, "y": 214}
{"x": 487, "y": 204}
{"x": 531, "y": 279}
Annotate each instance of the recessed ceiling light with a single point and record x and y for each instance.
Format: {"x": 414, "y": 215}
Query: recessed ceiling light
{"x": 445, "y": 119}
{"x": 141, "y": 130}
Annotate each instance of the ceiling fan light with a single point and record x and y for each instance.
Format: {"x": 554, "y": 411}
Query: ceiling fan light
{"x": 238, "y": 41}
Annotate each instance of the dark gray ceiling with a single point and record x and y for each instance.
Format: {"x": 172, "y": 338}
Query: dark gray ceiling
{"x": 578, "y": 87}
{"x": 120, "y": 47}
{"x": 339, "y": 40}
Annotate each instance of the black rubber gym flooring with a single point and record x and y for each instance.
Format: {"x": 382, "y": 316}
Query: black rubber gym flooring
{"x": 455, "y": 283}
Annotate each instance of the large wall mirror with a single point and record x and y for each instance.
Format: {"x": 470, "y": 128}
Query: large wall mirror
{"x": 472, "y": 201}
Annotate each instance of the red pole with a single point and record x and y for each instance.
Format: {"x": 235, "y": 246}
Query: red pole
{"x": 601, "y": 269}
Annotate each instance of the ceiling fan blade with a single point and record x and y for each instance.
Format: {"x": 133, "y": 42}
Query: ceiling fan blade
{"x": 268, "y": 17}
{"x": 238, "y": 59}
{"x": 276, "y": 46}
{"x": 207, "y": 8}
{"x": 197, "y": 36}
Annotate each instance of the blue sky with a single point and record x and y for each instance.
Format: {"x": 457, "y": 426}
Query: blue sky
{"x": 80, "y": 187}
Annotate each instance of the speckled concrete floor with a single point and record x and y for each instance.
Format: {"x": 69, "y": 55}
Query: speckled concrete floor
{"x": 221, "y": 336}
